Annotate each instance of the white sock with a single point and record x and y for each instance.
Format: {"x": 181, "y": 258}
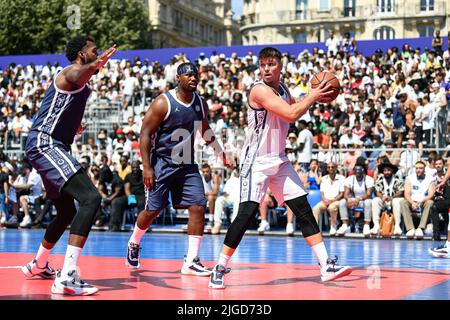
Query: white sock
{"x": 42, "y": 256}
{"x": 137, "y": 234}
{"x": 447, "y": 244}
{"x": 321, "y": 253}
{"x": 224, "y": 259}
{"x": 71, "y": 259}
{"x": 194, "y": 247}
{"x": 210, "y": 218}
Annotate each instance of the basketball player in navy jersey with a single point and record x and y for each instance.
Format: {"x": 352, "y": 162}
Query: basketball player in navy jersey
{"x": 47, "y": 149}
{"x": 264, "y": 165}
{"x": 167, "y": 148}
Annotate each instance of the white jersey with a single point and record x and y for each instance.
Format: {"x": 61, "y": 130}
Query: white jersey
{"x": 264, "y": 163}
{"x": 419, "y": 188}
{"x": 208, "y": 186}
{"x": 266, "y": 137}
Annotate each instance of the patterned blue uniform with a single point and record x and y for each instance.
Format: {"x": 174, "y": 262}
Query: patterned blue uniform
{"x": 173, "y": 156}
{"x": 48, "y": 143}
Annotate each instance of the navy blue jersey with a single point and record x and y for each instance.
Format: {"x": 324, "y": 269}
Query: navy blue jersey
{"x": 60, "y": 113}
{"x": 174, "y": 140}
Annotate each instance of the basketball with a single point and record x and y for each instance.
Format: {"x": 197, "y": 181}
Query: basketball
{"x": 317, "y": 79}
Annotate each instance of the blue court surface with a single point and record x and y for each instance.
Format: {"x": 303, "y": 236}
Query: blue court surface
{"x": 407, "y": 261}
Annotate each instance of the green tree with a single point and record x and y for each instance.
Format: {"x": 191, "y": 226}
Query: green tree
{"x": 41, "y": 26}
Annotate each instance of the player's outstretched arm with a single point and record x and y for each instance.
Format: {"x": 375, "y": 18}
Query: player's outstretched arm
{"x": 152, "y": 121}
{"x": 264, "y": 96}
{"x": 79, "y": 75}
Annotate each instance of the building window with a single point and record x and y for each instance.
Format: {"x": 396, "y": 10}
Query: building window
{"x": 323, "y": 5}
{"x": 300, "y": 37}
{"x": 300, "y": 9}
{"x": 386, "y": 5}
{"x": 426, "y": 31}
{"x": 384, "y": 33}
{"x": 163, "y": 12}
{"x": 349, "y": 8}
{"x": 426, "y": 5}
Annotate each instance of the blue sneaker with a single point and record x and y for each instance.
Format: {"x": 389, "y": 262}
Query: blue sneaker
{"x": 133, "y": 255}
{"x": 439, "y": 252}
{"x": 332, "y": 271}
{"x": 216, "y": 281}
{"x": 195, "y": 268}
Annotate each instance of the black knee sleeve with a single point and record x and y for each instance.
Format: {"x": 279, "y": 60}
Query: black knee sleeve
{"x": 247, "y": 210}
{"x": 302, "y": 210}
{"x": 65, "y": 212}
{"x": 86, "y": 215}
{"x": 83, "y": 190}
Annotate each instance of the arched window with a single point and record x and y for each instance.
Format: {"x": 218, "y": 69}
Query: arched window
{"x": 384, "y": 33}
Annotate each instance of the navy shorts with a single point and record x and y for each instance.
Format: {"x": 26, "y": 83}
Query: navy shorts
{"x": 183, "y": 182}
{"x": 52, "y": 161}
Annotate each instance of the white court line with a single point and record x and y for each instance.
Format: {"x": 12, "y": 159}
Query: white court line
{"x": 11, "y": 267}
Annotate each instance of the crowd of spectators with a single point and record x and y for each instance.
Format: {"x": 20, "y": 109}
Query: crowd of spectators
{"x": 393, "y": 105}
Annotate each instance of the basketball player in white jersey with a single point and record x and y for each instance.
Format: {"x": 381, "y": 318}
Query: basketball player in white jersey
{"x": 264, "y": 164}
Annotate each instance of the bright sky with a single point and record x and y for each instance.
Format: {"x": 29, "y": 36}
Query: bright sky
{"x": 236, "y": 6}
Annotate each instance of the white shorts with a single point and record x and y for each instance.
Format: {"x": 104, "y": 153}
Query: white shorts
{"x": 282, "y": 180}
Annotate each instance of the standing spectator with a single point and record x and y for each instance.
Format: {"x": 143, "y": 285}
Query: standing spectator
{"x": 305, "y": 145}
{"x": 408, "y": 158}
{"x": 357, "y": 194}
{"x": 332, "y": 190}
{"x": 441, "y": 200}
{"x": 419, "y": 192}
{"x": 437, "y": 43}
{"x": 130, "y": 85}
{"x": 389, "y": 195}
{"x": 332, "y": 45}
{"x": 114, "y": 198}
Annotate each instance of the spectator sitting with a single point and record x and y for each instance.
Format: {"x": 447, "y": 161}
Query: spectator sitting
{"x": 229, "y": 196}
{"x": 332, "y": 190}
{"x": 211, "y": 184}
{"x": 351, "y": 156}
{"x": 29, "y": 187}
{"x": 357, "y": 194}
{"x": 393, "y": 155}
{"x": 123, "y": 168}
{"x": 311, "y": 179}
{"x": 419, "y": 192}
{"x": 389, "y": 195}
{"x": 269, "y": 202}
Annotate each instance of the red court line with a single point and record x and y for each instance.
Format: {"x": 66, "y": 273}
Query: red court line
{"x": 161, "y": 280}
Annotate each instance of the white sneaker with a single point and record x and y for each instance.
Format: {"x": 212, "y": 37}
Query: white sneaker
{"x": 397, "y": 231}
{"x": 419, "y": 233}
{"x": 290, "y": 229}
{"x": 429, "y": 230}
{"x": 366, "y": 230}
{"x": 410, "y": 233}
{"x": 342, "y": 230}
{"x": 332, "y": 271}
{"x": 26, "y": 222}
{"x": 332, "y": 231}
{"x": 264, "y": 226}
{"x": 374, "y": 231}
{"x": 2, "y": 218}
{"x": 31, "y": 269}
{"x": 72, "y": 285}
{"x": 440, "y": 252}
{"x": 195, "y": 268}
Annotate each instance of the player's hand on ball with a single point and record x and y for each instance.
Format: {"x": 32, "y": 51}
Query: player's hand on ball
{"x": 148, "y": 177}
{"x": 322, "y": 91}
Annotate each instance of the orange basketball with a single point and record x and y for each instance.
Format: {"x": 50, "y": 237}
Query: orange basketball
{"x": 317, "y": 79}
